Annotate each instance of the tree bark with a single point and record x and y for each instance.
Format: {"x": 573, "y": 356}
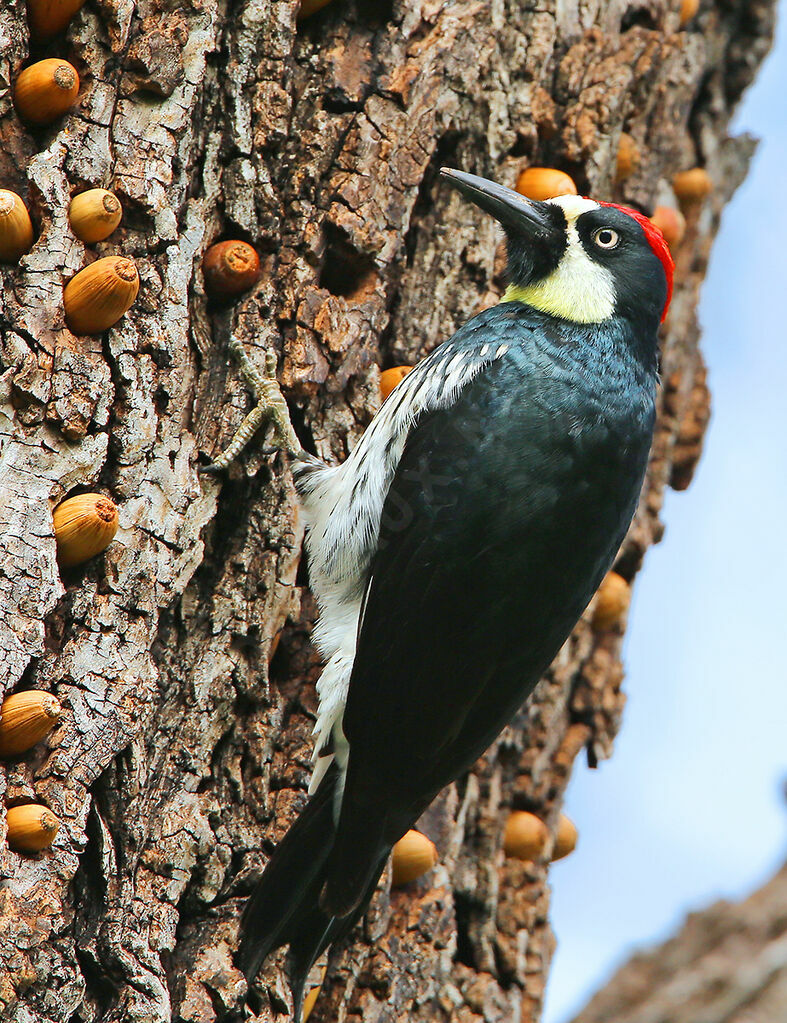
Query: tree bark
{"x": 184, "y": 750}
{"x": 728, "y": 962}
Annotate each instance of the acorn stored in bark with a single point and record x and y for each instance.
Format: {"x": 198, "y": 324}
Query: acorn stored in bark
{"x": 389, "y": 378}
{"x": 671, "y": 223}
{"x": 99, "y": 295}
{"x": 309, "y": 7}
{"x": 525, "y": 837}
{"x": 544, "y": 183}
{"x": 309, "y": 1002}
{"x": 48, "y": 17}
{"x": 25, "y": 718}
{"x": 688, "y": 9}
{"x": 16, "y": 229}
{"x": 628, "y": 157}
{"x": 311, "y": 998}
{"x": 692, "y": 186}
{"x": 94, "y": 214}
{"x": 230, "y": 268}
{"x": 31, "y": 827}
{"x": 85, "y": 525}
{"x": 44, "y": 91}
{"x": 413, "y": 855}
{"x": 612, "y": 601}
{"x": 565, "y": 839}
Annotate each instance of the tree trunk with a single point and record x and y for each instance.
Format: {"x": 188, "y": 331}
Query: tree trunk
{"x": 183, "y": 753}
{"x": 728, "y": 962}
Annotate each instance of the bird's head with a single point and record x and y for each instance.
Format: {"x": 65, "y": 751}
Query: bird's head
{"x": 576, "y": 258}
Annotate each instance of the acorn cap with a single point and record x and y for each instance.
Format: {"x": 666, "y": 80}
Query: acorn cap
{"x": 25, "y": 718}
{"x": 389, "y": 378}
{"x": 31, "y": 827}
{"x": 525, "y": 836}
{"x": 565, "y": 839}
{"x": 413, "y": 855}
{"x": 230, "y": 268}
{"x": 692, "y": 186}
{"x": 44, "y": 91}
{"x": 612, "y": 601}
{"x": 85, "y": 525}
{"x": 96, "y": 298}
{"x": 48, "y": 17}
{"x": 94, "y": 214}
{"x": 16, "y": 229}
{"x": 544, "y": 183}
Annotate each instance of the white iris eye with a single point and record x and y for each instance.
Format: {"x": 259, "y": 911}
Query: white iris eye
{"x": 606, "y": 238}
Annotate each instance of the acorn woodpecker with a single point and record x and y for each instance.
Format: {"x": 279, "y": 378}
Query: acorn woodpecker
{"x": 454, "y": 550}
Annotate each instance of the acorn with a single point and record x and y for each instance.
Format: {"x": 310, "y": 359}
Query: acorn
{"x": 389, "y": 378}
{"x": 413, "y": 855}
{"x": 94, "y": 214}
{"x": 230, "y": 268}
{"x": 31, "y": 827}
{"x": 309, "y": 1002}
{"x": 47, "y": 18}
{"x": 16, "y": 229}
{"x": 628, "y": 157}
{"x": 25, "y": 718}
{"x": 309, "y": 7}
{"x": 612, "y": 601}
{"x": 85, "y": 525}
{"x": 311, "y": 999}
{"x": 99, "y": 295}
{"x": 688, "y": 8}
{"x": 565, "y": 839}
{"x": 44, "y": 91}
{"x": 525, "y": 836}
{"x": 692, "y": 186}
{"x": 671, "y": 223}
{"x": 544, "y": 183}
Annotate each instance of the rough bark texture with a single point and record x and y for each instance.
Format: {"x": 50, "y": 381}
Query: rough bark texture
{"x": 184, "y": 750}
{"x": 728, "y": 963}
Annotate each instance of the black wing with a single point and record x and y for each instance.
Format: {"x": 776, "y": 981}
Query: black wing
{"x": 504, "y": 513}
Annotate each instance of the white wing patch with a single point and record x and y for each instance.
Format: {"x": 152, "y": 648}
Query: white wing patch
{"x": 343, "y": 506}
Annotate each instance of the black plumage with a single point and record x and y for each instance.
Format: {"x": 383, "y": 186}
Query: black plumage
{"x": 504, "y": 514}
{"x": 507, "y": 506}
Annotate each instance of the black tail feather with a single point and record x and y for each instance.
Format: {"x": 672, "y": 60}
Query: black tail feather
{"x": 313, "y": 936}
{"x": 284, "y": 908}
{"x": 291, "y": 882}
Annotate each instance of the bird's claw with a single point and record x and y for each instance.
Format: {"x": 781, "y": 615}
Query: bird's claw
{"x": 270, "y": 407}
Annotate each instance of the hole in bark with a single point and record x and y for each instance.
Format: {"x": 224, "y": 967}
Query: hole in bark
{"x": 90, "y": 897}
{"x": 301, "y": 427}
{"x": 346, "y": 271}
{"x": 375, "y": 13}
{"x": 336, "y": 102}
{"x": 464, "y": 948}
{"x": 445, "y": 155}
{"x": 641, "y": 17}
{"x": 161, "y": 400}
{"x": 102, "y": 990}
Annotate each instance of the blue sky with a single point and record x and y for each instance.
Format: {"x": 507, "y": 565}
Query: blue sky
{"x": 690, "y": 807}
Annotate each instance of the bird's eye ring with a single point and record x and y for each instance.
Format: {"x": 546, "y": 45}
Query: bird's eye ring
{"x": 606, "y": 238}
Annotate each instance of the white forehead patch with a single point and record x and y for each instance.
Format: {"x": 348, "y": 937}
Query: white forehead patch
{"x": 580, "y": 289}
{"x": 573, "y": 206}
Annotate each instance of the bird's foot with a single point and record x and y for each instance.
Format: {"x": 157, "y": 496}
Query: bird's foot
{"x": 270, "y": 407}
